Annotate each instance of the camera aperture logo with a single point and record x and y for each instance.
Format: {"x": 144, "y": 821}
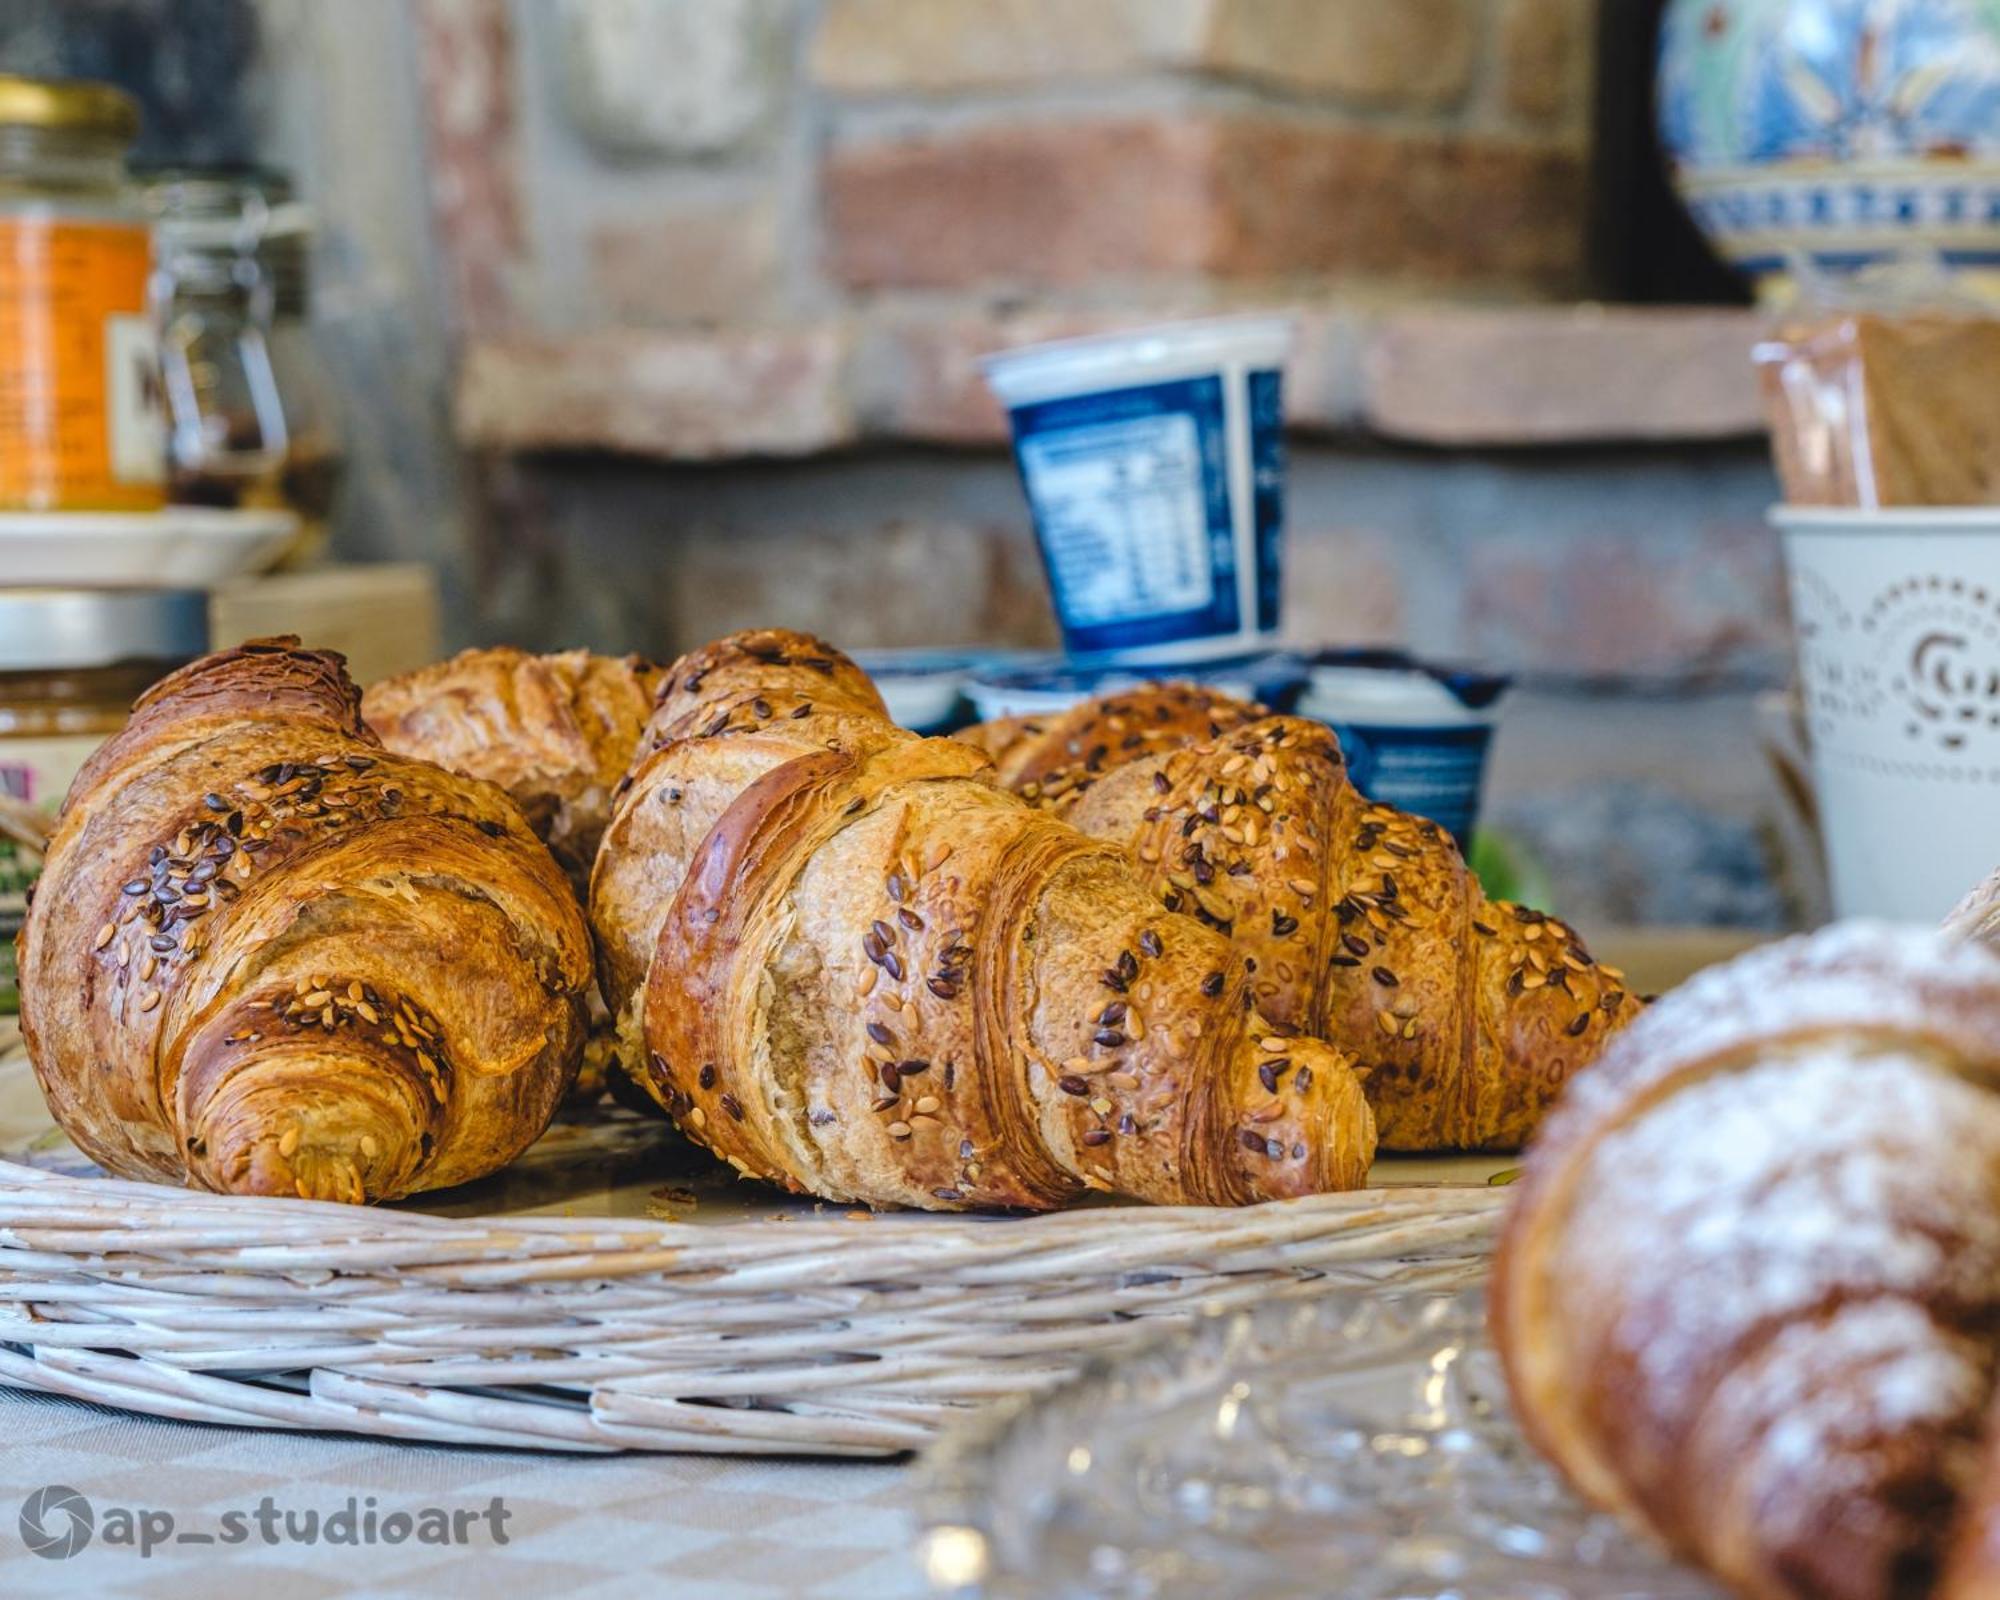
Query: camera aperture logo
{"x": 57, "y": 1522}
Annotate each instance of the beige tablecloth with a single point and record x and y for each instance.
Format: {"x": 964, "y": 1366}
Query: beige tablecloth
{"x": 578, "y": 1528}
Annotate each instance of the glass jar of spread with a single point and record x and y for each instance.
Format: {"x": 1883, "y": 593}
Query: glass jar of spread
{"x": 72, "y": 661}
{"x": 80, "y": 413}
{"x": 249, "y": 412}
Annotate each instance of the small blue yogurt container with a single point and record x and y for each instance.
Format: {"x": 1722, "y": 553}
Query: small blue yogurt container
{"x": 1416, "y": 736}
{"x": 1049, "y": 688}
{"x": 1154, "y": 465}
{"x": 924, "y": 689}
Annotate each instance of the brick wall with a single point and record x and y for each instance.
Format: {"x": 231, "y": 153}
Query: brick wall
{"x": 715, "y": 294}
{"x": 749, "y": 161}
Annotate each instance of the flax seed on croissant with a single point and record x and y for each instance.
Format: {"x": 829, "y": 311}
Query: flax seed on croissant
{"x": 267, "y": 956}
{"x": 556, "y": 732}
{"x": 1364, "y": 925}
{"x": 856, "y": 967}
{"x": 1748, "y": 1290}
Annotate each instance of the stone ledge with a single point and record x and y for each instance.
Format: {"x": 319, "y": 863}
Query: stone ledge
{"x": 1545, "y": 375}
{"x": 677, "y": 396}
{"x": 1450, "y": 376}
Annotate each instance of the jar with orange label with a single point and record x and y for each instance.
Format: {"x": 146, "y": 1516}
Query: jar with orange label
{"x": 80, "y": 414}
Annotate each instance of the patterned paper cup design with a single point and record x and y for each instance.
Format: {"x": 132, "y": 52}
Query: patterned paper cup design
{"x": 1897, "y": 614}
{"x": 1154, "y": 465}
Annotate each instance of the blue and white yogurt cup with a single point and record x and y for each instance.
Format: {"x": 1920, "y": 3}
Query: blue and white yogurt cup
{"x": 1051, "y": 688}
{"x": 1154, "y": 466}
{"x": 1415, "y": 736}
{"x": 923, "y": 688}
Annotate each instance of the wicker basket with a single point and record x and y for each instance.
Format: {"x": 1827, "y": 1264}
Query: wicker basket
{"x": 779, "y": 1327}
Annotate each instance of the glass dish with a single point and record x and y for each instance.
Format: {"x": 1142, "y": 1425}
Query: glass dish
{"x": 1355, "y": 1445}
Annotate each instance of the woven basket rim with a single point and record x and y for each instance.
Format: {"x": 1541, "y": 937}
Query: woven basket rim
{"x": 20, "y": 1179}
{"x": 746, "y": 1328}
{"x": 813, "y": 1335}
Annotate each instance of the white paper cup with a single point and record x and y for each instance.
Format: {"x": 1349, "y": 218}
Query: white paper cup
{"x": 1897, "y": 613}
{"x": 1154, "y": 466}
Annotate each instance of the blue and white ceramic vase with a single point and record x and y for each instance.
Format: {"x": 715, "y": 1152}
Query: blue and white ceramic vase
{"x": 1837, "y": 132}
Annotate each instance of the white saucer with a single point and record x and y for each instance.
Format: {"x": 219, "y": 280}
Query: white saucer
{"x": 192, "y": 547}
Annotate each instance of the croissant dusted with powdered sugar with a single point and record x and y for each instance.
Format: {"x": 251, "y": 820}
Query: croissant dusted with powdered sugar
{"x": 266, "y": 956}
{"x": 1362, "y": 924}
{"x": 856, "y": 967}
{"x": 1748, "y": 1290}
{"x": 556, "y": 732}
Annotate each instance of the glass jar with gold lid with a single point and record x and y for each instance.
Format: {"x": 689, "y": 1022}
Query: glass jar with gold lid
{"x": 80, "y": 416}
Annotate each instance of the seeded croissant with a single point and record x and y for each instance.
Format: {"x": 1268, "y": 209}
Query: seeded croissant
{"x": 855, "y": 966}
{"x": 1054, "y": 760}
{"x": 1748, "y": 1290}
{"x": 1361, "y": 923}
{"x": 266, "y": 956}
{"x": 556, "y": 732}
